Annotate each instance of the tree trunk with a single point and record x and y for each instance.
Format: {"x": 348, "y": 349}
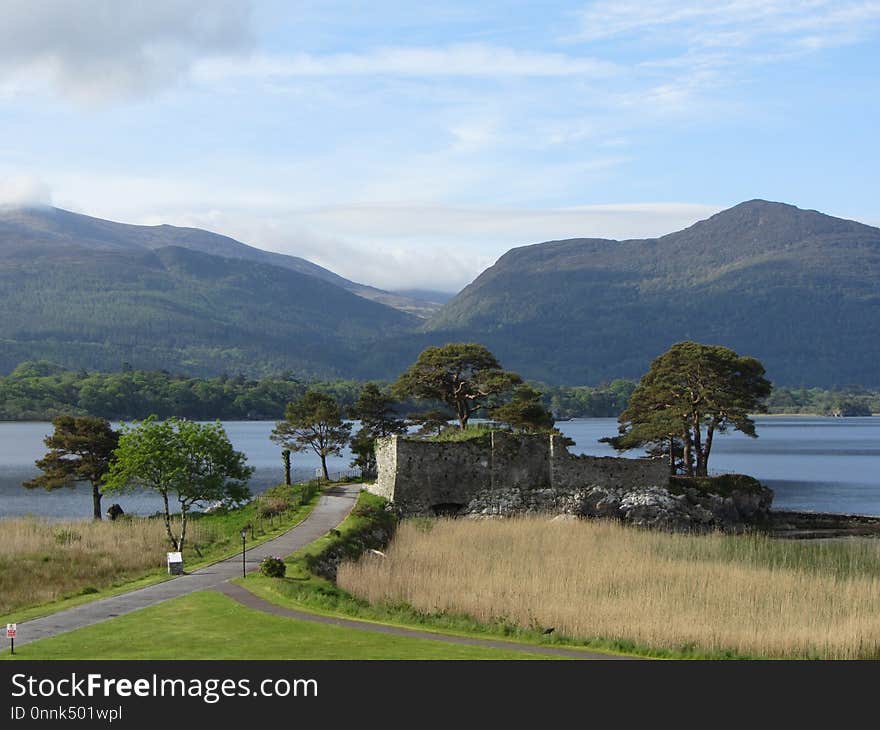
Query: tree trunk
{"x": 171, "y": 538}
{"x": 671, "y": 455}
{"x": 285, "y": 455}
{"x": 324, "y": 468}
{"x": 184, "y": 509}
{"x": 688, "y": 455}
{"x": 461, "y": 412}
{"x": 707, "y": 448}
{"x": 698, "y": 446}
{"x": 96, "y": 500}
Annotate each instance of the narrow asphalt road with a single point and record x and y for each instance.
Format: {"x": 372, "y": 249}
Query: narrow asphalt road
{"x": 333, "y": 506}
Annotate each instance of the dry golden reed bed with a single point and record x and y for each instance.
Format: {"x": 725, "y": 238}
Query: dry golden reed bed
{"x": 751, "y": 595}
{"x": 41, "y": 561}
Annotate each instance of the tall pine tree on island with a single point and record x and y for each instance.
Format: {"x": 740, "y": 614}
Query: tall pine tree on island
{"x": 690, "y": 393}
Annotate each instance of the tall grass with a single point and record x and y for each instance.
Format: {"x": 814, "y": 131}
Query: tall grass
{"x": 749, "y": 594}
{"x": 43, "y": 561}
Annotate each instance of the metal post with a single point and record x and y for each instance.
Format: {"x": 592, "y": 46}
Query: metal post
{"x": 243, "y": 566}
{"x": 12, "y": 646}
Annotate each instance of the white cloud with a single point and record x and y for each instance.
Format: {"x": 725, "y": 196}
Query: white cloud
{"x": 460, "y": 60}
{"x": 730, "y": 23}
{"x": 501, "y": 225}
{"x": 24, "y": 190}
{"x": 100, "y": 49}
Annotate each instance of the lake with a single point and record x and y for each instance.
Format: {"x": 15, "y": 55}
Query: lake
{"x": 818, "y": 464}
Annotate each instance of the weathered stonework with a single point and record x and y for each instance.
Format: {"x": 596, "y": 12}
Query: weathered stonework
{"x": 505, "y": 474}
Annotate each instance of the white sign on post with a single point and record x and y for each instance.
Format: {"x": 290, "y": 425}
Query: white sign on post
{"x": 319, "y": 472}
{"x": 11, "y": 630}
{"x": 175, "y": 563}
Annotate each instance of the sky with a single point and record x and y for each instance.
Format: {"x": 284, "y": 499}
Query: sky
{"x": 409, "y": 145}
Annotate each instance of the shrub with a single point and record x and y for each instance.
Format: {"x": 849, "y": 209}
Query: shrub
{"x": 273, "y": 507}
{"x": 273, "y": 567}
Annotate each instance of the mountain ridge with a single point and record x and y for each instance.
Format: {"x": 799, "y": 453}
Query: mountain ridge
{"x": 67, "y": 227}
{"x": 629, "y": 300}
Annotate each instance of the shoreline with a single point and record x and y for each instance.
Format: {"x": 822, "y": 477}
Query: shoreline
{"x": 799, "y": 525}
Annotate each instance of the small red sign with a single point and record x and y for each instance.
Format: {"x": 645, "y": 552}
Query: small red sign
{"x": 10, "y": 631}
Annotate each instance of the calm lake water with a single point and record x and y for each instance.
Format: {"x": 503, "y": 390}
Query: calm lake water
{"x": 819, "y": 464}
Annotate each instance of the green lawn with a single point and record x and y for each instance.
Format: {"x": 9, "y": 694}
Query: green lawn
{"x": 208, "y": 625}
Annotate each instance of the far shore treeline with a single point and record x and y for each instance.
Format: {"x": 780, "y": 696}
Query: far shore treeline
{"x": 39, "y": 391}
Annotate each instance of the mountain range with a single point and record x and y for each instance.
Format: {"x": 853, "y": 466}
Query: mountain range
{"x": 796, "y": 288}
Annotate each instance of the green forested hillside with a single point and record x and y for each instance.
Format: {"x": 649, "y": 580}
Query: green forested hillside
{"x": 181, "y": 310}
{"x": 795, "y": 288}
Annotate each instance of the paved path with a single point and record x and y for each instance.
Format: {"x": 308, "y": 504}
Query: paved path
{"x": 248, "y": 599}
{"x": 333, "y": 506}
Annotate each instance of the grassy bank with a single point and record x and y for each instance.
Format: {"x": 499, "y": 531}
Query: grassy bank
{"x": 601, "y": 582}
{"x": 208, "y": 625}
{"x": 47, "y": 566}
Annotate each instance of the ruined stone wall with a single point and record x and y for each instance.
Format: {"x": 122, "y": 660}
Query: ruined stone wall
{"x": 570, "y": 471}
{"x": 500, "y": 473}
{"x": 386, "y": 455}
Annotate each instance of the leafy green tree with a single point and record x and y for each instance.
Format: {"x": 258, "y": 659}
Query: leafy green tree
{"x": 525, "y": 411}
{"x": 183, "y": 461}
{"x": 375, "y": 410}
{"x": 80, "y": 450}
{"x": 691, "y": 392}
{"x": 313, "y": 422}
{"x": 462, "y": 375}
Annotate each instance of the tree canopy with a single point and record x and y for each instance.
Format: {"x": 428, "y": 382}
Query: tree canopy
{"x": 690, "y": 393}
{"x": 524, "y": 411}
{"x": 314, "y": 422}
{"x": 463, "y": 375}
{"x": 80, "y": 450}
{"x": 181, "y": 460}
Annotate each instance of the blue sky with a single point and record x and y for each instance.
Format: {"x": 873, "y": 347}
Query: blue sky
{"x": 410, "y": 144}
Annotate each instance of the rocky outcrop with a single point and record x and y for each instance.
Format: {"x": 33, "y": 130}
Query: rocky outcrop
{"x": 692, "y": 508}
{"x": 689, "y": 508}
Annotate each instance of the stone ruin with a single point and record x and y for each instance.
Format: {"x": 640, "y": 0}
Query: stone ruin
{"x": 503, "y": 473}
